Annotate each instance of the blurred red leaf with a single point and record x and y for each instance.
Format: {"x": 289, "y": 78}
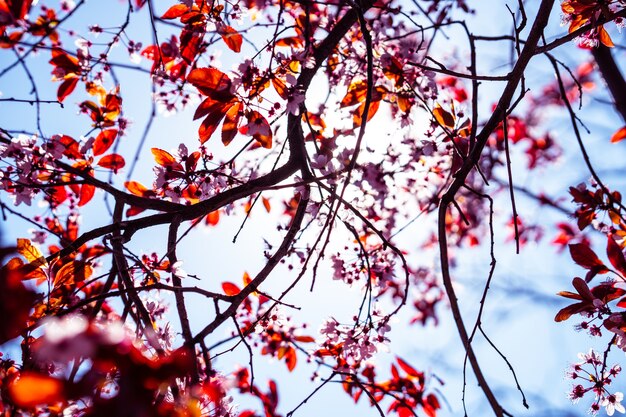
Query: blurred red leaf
{"x": 230, "y": 288}
{"x": 232, "y": 38}
{"x": 619, "y": 135}
{"x": 32, "y": 389}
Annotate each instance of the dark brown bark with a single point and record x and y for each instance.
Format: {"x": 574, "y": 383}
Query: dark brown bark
{"x": 612, "y": 76}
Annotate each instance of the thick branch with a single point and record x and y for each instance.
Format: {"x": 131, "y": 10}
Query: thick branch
{"x": 612, "y": 76}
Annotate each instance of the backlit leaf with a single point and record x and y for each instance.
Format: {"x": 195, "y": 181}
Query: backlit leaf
{"x": 443, "y": 117}
{"x": 33, "y": 389}
{"x": 232, "y": 38}
{"x": 213, "y": 218}
{"x": 356, "y": 93}
{"x": 103, "y": 141}
{"x": 212, "y": 121}
{"x": 619, "y": 135}
{"x": 231, "y": 123}
{"x": 112, "y": 161}
{"x": 211, "y": 82}
{"x": 66, "y": 88}
{"x": 175, "y": 11}
{"x": 230, "y": 288}
{"x": 165, "y": 159}
{"x": 259, "y": 129}
{"x": 72, "y": 272}
{"x": 29, "y": 251}
{"x": 137, "y": 189}
{"x": 87, "y": 192}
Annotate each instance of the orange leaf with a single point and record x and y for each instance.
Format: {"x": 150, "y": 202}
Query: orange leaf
{"x": 291, "y": 41}
{"x": 232, "y": 38}
{"x": 29, "y": 251}
{"x": 104, "y": 141}
{"x": 137, "y": 189}
{"x": 358, "y": 115}
{"x": 356, "y": 93}
{"x": 112, "y": 161}
{"x": 443, "y": 117}
{"x": 72, "y": 272}
{"x": 175, "y": 11}
{"x": 266, "y": 204}
{"x": 409, "y": 369}
{"x": 604, "y": 37}
{"x": 290, "y": 358}
{"x": 280, "y": 87}
{"x": 32, "y": 389}
{"x": 230, "y": 288}
{"x": 246, "y": 279}
{"x": 619, "y": 135}
{"x": 66, "y": 88}
{"x": 213, "y": 218}
{"x": 304, "y": 339}
{"x": 231, "y": 123}
{"x": 165, "y": 159}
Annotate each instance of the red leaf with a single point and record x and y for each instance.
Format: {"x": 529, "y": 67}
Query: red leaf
{"x": 112, "y": 161}
{"x": 190, "y": 42}
{"x": 104, "y": 141}
{"x": 585, "y": 257}
{"x": 66, "y": 88}
{"x": 409, "y": 369}
{"x": 266, "y": 204}
{"x": 619, "y": 135}
{"x": 175, "y": 11}
{"x": 232, "y": 38}
{"x": 207, "y": 106}
{"x": 134, "y": 210}
{"x": 616, "y": 256}
{"x": 212, "y": 121}
{"x": 231, "y": 123}
{"x": 357, "y": 117}
{"x": 86, "y": 194}
{"x": 230, "y": 288}
{"x": 72, "y": 150}
{"x": 211, "y": 82}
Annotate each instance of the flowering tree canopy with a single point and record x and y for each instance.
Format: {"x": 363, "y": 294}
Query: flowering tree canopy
{"x": 366, "y": 144}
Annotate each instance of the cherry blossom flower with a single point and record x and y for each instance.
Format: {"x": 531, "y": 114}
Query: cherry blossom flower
{"x": 613, "y": 403}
